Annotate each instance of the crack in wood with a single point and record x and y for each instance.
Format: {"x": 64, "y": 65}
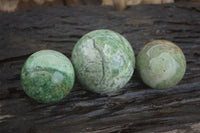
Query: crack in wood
{"x": 23, "y": 57}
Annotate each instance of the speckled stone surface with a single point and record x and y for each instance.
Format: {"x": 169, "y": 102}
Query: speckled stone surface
{"x": 47, "y": 76}
{"x": 161, "y": 64}
{"x": 103, "y": 60}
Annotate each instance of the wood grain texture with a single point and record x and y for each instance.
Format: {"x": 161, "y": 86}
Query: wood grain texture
{"x": 136, "y": 107}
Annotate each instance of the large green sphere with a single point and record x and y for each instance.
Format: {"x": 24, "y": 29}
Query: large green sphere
{"x": 47, "y": 76}
{"x": 161, "y": 64}
{"x": 103, "y": 60}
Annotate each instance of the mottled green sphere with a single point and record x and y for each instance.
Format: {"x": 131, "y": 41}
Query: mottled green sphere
{"x": 161, "y": 64}
{"x": 103, "y": 61}
{"x": 47, "y": 76}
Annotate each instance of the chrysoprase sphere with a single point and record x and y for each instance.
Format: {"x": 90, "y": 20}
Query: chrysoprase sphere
{"x": 103, "y": 61}
{"x": 161, "y": 64}
{"x": 47, "y": 76}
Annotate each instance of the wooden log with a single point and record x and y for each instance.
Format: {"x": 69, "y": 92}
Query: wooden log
{"x": 134, "y": 108}
{"x": 193, "y": 128}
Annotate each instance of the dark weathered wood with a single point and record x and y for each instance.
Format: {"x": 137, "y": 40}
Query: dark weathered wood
{"x": 136, "y": 107}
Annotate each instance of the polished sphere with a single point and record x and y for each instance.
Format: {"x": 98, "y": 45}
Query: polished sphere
{"x": 161, "y": 64}
{"x": 47, "y": 76}
{"x": 103, "y": 61}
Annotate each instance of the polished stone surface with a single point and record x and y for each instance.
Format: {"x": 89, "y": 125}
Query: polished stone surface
{"x": 161, "y": 64}
{"x": 47, "y": 76}
{"x": 103, "y": 61}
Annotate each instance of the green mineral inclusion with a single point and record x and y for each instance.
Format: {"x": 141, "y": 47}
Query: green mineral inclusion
{"x": 47, "y": 76}
{"x": 161, "y": 64}
{"x": 103, "y": 61}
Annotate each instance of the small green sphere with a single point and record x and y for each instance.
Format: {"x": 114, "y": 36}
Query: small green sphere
{"x": 47, "y": 76}
{"x": 103, "y": 61}
{"x": 161, "y": 64}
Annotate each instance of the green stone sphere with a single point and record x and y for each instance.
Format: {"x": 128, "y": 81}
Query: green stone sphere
{"x": 47, "y": 76}
{"x": 161, "y": 64}
{"x": 103, "y": 60}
